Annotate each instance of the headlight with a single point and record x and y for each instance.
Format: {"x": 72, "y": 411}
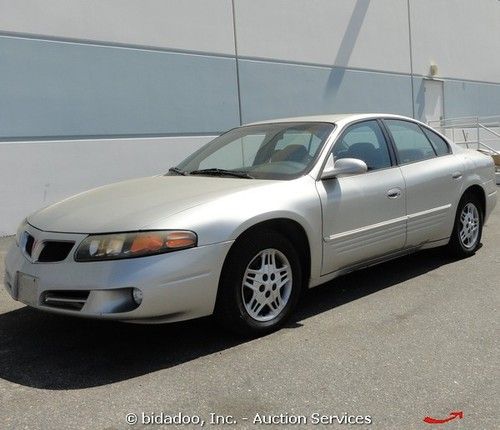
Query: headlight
{"x": 20, "y": 231}
{"x": 130, "y": 245}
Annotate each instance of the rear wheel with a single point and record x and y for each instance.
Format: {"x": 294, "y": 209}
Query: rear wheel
{"x": 468, "y": 228}
{"x": 260, "y": 283}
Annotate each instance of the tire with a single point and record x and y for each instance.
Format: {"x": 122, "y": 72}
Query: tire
{"x": 260, "y": 284}
{"x": 468, "y": 228}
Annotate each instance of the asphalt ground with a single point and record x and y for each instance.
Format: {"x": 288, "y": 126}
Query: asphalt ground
{"x": 397, "y": 342}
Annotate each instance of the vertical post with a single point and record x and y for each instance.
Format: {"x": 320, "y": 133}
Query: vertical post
{"x": 477, "y": 124}
{"x": 238, "y": 88}
{"x": 411, "y": 59}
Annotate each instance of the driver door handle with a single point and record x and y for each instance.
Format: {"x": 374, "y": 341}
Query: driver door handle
{"x": 393, "y": 193}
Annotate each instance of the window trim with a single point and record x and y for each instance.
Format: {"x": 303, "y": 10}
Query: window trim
{"x": 341, "y": 136}
{"x": 390, "y": 144}
{"x": 423, "y": 127}
{"x": 393, "y": 143}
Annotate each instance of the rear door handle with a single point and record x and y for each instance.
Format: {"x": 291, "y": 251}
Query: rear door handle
{"x": 393, "y": 193}
{"x": 456, "y": 175}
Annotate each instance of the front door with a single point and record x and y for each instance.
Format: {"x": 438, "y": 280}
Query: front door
{"x": 364, "y": 216}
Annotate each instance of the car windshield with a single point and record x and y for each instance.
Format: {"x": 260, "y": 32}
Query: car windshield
{"x": 263, "y": 151}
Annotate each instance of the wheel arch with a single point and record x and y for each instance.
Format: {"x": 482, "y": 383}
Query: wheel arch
{"x": 293, "y": 231}
{"x": 479, "y": 192}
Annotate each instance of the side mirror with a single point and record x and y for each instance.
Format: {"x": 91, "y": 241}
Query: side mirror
{"x": 343, "y": 166}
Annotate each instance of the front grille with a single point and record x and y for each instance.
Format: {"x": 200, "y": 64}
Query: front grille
{"x": 30, "y": 240}
{"x": 55, "y": 251}
{"x": 70, "y": 300}
{"x": 47, "y": 251}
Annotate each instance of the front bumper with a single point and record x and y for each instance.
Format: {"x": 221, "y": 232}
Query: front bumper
{"x": 175, "y": 286}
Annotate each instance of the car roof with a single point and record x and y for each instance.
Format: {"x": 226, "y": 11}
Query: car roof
{"x": 334, "y": 118}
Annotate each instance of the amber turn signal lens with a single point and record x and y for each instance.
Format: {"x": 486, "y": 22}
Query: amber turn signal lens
{"x": 148, "y": 243}
{"x": 180, "y": 239}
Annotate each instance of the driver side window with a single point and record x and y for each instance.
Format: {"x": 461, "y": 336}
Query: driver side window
{"x": 364, "y": 141}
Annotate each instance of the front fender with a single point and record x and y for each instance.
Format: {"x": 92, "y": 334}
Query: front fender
{"x": 226, "y": 218}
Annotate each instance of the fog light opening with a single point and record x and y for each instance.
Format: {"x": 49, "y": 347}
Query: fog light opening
{"x": 137, "y": 296}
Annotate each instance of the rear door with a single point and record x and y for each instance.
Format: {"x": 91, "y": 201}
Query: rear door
{"x": 433, "y": 177}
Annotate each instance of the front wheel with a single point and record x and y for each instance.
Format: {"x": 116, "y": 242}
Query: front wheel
{"x": 260, "y": 283}
{"x": 466, "y": 236}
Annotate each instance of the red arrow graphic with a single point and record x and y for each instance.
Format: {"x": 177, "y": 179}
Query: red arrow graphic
{"x": 453, "y": 415}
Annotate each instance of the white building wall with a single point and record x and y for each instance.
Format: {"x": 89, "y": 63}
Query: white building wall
{"x": 334, "y": 33}
{"x": 462, "y": 37}
{"x": 38, "y": 173}
{"x": 196, "y": 25}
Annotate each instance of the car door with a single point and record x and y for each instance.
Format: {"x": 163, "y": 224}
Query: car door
{"x": 433, "y": 177}
{"x": 363, "y": 215}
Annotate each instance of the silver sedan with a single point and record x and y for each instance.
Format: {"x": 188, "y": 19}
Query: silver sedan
{"x": 254, "y": 217}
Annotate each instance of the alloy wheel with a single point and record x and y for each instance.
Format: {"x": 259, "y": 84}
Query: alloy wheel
{"x": 267, "y": 285}
{"x": 469, "y": 226}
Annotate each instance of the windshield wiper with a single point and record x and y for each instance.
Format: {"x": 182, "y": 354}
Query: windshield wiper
{"x": 178, "y": 171}
{"x": 222, "y": 172}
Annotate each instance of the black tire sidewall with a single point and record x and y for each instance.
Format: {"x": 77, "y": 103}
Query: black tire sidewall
{"x": 230, "y": 301}
{"x": 456, "y": 244}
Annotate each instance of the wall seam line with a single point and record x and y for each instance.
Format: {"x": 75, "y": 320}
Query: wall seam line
{"x": 238, "y": 88}
{"x": 411, "y": 60}
{"x": 60, "y": 138}
{"x": 167, "y": 50}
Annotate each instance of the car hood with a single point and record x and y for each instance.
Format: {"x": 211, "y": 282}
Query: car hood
{"x": 134, "y": 204}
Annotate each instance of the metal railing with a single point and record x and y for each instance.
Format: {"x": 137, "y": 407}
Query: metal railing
{"x": 481, "y": 133}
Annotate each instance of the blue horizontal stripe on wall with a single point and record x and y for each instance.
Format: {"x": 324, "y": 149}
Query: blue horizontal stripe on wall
{"x": 56, "y": 89}
{"x": 471, "y": 98}
{"x": 50, "y": 88}
{"x": 462, "y": 98}
{"x": 273, "y": 90}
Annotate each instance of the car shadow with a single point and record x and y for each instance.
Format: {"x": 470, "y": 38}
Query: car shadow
{"x": 43, "y": 350}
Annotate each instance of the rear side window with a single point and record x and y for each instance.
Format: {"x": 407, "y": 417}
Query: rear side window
{"x": 411, "y": 142}
{"x": 437, "y": 141}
